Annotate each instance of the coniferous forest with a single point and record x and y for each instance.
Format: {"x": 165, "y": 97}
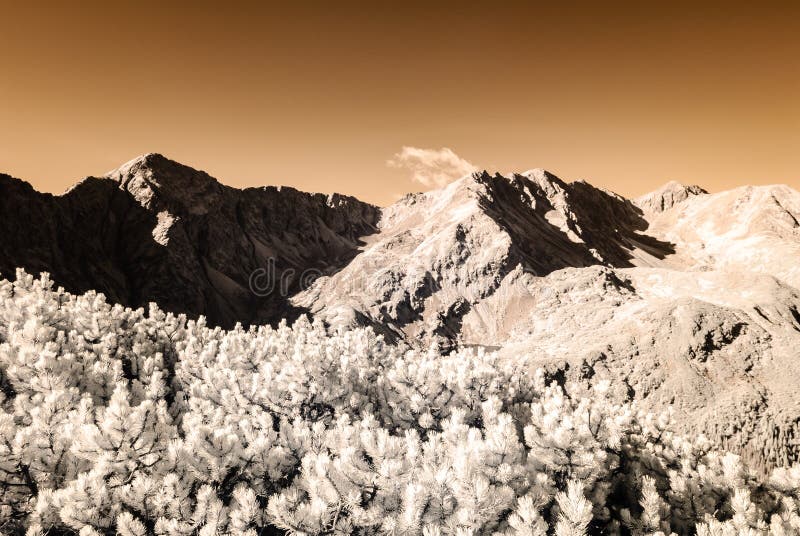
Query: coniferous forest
{"x": 133, "y": 422}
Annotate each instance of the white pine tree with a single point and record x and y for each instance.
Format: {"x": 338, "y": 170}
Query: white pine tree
{"x": 575, "y": 512}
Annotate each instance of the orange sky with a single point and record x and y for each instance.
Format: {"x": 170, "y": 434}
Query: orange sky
{"x": 625, "y": 95}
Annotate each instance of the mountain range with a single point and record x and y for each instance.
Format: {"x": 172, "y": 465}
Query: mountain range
{"x": 687, "y": 298}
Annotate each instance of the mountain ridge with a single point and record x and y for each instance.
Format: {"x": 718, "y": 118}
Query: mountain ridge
{"x": 192, "y": 250}
{"x": 688, "y": 298}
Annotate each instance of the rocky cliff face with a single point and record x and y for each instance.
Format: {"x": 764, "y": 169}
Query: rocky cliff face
{"x": 155, "y": 230}
{"x": 667, "y": 197}
{"x": 685, "y": 298}
{"x": 445, "y": 265}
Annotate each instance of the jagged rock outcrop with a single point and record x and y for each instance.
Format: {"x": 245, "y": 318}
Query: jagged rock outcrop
{"x": 155, "y": 230}
{"x": 439, "y": 258}
{"x": 686, "y": 298}
{"x": 668, "y": 196}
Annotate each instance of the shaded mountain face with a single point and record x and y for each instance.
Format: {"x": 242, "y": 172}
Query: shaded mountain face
{"x": 684, "y": 298}
{"x": 155, "y": 230}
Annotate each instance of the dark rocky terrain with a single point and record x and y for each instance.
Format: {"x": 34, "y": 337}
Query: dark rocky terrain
{"x": 155, "y": 230}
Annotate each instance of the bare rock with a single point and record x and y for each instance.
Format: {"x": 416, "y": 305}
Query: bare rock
{"x": 155, "y": 230}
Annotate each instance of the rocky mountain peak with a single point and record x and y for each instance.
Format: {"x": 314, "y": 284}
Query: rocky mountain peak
{"x": 160, "y": 183}
{"x": 548, "y": 182}
{"x": 495, "y": 190}
{"x": 155, "y": 230}
{"x": 668, "y": 196}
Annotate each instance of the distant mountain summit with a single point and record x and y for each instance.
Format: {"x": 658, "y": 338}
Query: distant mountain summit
{"x": 158, "y": 183}
{"x": 439, "y": 258}
{"x": 668, "y": 196}
{"x": 156, "y": 230}
{"x": 687, "y": 298}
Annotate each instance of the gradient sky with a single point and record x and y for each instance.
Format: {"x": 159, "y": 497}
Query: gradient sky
{"x": 320, "y": 95}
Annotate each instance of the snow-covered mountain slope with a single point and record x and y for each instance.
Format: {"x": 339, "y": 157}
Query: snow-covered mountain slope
{"x": 441, "y": 259}
{"x": 749, "y": 229}
{"x": 460, "y": 261}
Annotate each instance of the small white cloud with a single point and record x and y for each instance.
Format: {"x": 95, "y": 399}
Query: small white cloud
{"x": 432, "y": 167}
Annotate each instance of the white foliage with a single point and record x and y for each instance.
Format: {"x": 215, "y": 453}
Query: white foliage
{"x": 119, "y": 421}
{"x": 575, "y": 512}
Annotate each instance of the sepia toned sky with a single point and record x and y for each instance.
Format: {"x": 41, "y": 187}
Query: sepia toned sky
{"x": 363, "y": 97}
